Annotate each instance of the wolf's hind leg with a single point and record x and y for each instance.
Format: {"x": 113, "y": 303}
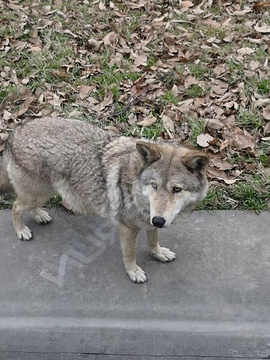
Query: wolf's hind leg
{"x": 32, "y": 192}
{"x": 41, "y": 216}
{"x": 129, "y": 246}
{"x": 161, "y": 253}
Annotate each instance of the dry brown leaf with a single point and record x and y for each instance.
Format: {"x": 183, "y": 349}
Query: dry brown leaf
{"x": 116, "y": 60}
{"x": 261, "y": 5}
{"x": 223, "y": 145}
{"x": 266, "y": 113}
{"x": 186, "y": 4}
{"x": 198, "y": 102}
{"x": 76, "y": 114}
{"x": 241, "y": 12}
{"x": 245, "y": 51}
{"x": 266, "y": 129}
{"x": 214, "y": 124}
{"x": 132, "y": 118}
{"x": 204, "y": 139}
{"x": 13, "y": 6}
{"x": 264, "y": 28}
{"x": 6, "y": 115}
{"x": 254, "y": 65}
{"x": 229, "y": 38}
{"x": 184, "y": 106}
{"x": 262, "y": 102}
{"x": 35, "y": 48}
{"x": 84, "y": 91}
{"x": 239, "y": 139}
{"x": 14, "y": 78}
{"x": 190, "y": 80}
{"x": 148, "y": 121}
{"x": 101, "y": 6}
{"x": 220, "y": 163}
{"x": 168, "y": 125}
{"x": 220, "y": 87}
{"x": 69, "y": 32}
{"x": 60, "y": 73}
{"x": 112, "y": 128}
{"x": 140, "y": 60}
{"x": 94, "y": 44}
{"x": 214, "y": 173}
{"x": 175, "y": 90}
{"x": 220, "y": 69}
{"x": 110, "y": 40}
{"x": 108, "y": 100}
{"x": 56, "y": 101}
{"x": 92, "y": 101}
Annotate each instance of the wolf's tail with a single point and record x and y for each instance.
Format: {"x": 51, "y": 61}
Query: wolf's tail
{"x": 5, "y": 184}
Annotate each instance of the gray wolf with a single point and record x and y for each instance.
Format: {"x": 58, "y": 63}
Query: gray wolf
{"x": 139, "y": 184}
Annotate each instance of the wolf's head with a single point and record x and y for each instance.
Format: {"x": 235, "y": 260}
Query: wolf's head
{"x": 172, "y": 180}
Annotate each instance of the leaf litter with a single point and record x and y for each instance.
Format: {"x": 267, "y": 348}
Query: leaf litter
{"x": 145, "y": 68}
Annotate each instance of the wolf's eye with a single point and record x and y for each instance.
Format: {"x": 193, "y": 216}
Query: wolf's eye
{"x": 154, "y": 185}
{"x": 177, "y": 189}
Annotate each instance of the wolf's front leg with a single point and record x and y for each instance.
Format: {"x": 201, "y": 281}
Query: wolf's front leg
{"x": 23, "y": 231}
{"x": 128, "y": 238}
{"x": 161, "y": 253}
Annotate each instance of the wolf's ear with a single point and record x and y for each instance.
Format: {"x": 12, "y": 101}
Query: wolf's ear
{"x": 149, "y": 152}
{"x": 197, "y": 162}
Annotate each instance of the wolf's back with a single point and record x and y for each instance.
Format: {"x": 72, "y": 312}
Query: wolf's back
{"x": 52, "y": 145}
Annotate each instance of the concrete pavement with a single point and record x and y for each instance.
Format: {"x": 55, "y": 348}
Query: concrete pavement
{"x": 65, "y": 294}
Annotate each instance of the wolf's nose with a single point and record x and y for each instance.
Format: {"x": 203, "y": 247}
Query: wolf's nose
{"x": 158, "y": 221}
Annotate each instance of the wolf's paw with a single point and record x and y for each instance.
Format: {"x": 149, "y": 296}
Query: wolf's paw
{"x": 42, "y": 217}
{"x": 25, "y": 234}
{"x": 137, "y": 274}
{"x": 164, "y": 254}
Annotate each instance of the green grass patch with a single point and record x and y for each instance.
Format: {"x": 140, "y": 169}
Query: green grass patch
{"x": 210, "y": 32}
{"x": 260, "y": 159}
{"x": 196, "y": 127}
{"x": 264, "y": 86}
{"x": 194, "y": 91}
{"x": 235, "y": 66}
{"x": 41, "y": 65}
{"x": 199, "y": 71}
{"x": 260, "y": 54}
{"x": 168, "y": 98}
{"x": 148, "y": 132}
{"x": 111, "y": 78}
{"x": 55, "y": 201}
{"x": 249, "y": 119}
{"x": 169, "y": 78}
{"x": 6, "y": 201}
{"x": 251, "y": 193}
{"x": 264, "y": 146}
{"x": 3, "y": 94}
{"x": 215, "y": 9}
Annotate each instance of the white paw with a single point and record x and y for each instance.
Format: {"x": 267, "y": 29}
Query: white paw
{"x": 42, "y": 217}
{"x": 25, "y": 234}
{"x": 164, "y": 255}
{"x": 137, "y": 274}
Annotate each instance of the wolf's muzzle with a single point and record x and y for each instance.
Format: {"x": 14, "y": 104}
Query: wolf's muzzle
{"x": 158, "y": 221}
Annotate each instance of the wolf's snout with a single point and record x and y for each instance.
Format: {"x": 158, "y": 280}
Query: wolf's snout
{"x": 158, "y": 221}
